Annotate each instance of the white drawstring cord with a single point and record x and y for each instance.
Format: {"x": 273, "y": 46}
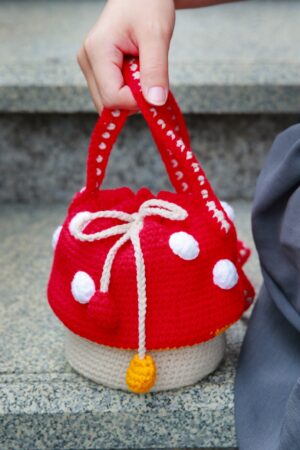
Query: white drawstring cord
{"x": 129, "y": 231}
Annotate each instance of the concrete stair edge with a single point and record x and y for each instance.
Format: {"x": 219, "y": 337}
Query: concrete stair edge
{"x": 217, "y": 64}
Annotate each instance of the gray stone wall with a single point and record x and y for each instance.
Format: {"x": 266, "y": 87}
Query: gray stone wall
{"x": 42, "y": 157}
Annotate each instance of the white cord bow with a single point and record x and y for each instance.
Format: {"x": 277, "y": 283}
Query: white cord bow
{"x": 130, "y": 230}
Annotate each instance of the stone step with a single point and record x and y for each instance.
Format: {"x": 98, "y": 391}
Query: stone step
{"x": 235, "y": 58}
{"x": 45, "y": 404}
{"x": 43, "y": 157}
{"x": 229, "y": 81}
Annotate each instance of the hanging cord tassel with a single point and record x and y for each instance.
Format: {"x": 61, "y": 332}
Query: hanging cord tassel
{"x": 141, "y": 373}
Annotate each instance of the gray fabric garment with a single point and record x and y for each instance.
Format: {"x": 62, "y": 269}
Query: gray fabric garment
{"x": 267, "y": 385}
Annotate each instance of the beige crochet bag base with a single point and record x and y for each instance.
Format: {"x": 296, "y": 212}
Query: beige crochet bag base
{"x": 175, "y": 368}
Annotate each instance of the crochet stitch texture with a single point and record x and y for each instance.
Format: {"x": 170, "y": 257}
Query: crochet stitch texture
{"x": 144, "y": 272}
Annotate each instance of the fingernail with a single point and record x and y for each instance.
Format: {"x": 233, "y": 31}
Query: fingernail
{"x": 157, "y": 95}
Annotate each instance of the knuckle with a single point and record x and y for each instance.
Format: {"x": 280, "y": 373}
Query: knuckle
{"x": 155, "y": 68}
{"x": 98, "y": 106}
{"x": 79, "y": 57}
{"x": 109, "y": 101}
{"x": 89, "y": 43}
{"x": 158, "y": 30}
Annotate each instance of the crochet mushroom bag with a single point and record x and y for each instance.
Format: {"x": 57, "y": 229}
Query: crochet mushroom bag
{"x": 146, "y": 284}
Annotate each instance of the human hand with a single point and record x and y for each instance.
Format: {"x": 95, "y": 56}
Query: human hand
{"x": 128, "y": 27}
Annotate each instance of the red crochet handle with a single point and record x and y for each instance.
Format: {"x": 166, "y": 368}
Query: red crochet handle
{"x": 169, "y": 132}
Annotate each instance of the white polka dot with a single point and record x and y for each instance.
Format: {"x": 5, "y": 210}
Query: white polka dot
{"x": 184, "y": 245}
{"x": 82, "y": 287}
{"x": 225, "y": 274}
{"x": 55, "y": 236}
{"x": 133, "y": 67}
{"x": 229, "y": 210}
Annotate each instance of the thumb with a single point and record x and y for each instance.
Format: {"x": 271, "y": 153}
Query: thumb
{"x": 154, "y": 69}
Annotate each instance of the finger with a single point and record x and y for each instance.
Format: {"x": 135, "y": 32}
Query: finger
{"x": 90, "y": 79}
{"x": 107, "y": 69}
{"x": 154, "y": 67}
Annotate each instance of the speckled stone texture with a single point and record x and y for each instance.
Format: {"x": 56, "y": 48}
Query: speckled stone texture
{"x": 42, "y": 157}
{"x": 217, "y": 62}
{"x": 217, "y": 65}
{"x": 44, "y": 404}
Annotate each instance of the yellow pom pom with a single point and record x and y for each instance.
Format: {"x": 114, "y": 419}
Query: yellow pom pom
{"x": 141, "y": 374}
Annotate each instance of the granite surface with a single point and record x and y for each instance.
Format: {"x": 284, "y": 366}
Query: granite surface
{"x": 44, "y": 404}
{"x": 42, "y": 157}
{"x": 239, "y": 57}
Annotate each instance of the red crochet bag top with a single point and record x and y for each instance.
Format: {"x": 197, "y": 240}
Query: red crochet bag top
{"x": 144, "y": 271}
